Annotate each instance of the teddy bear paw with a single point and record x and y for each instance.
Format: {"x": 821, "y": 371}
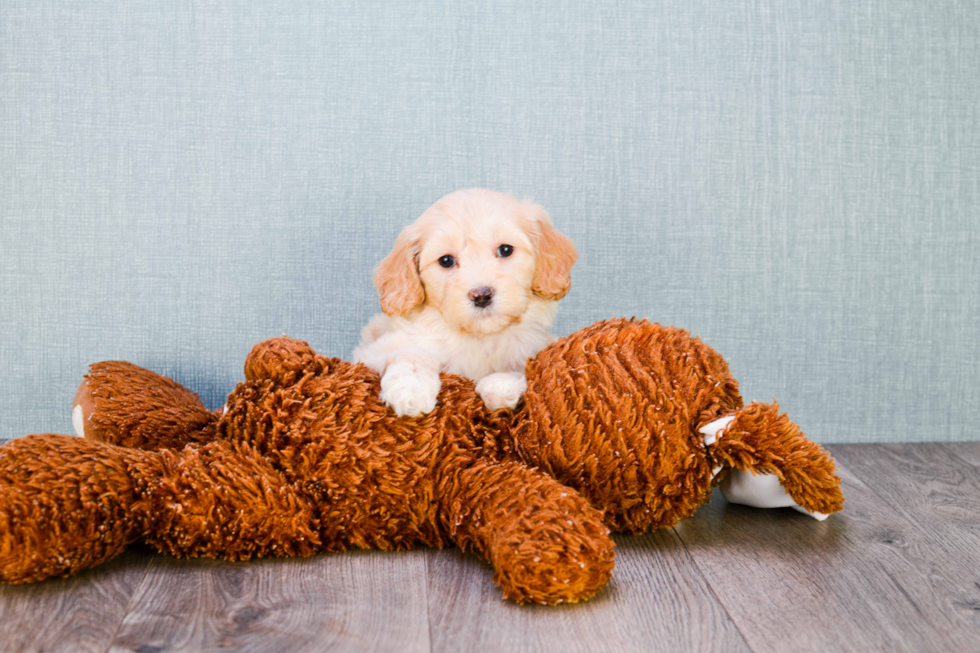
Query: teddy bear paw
{"x": 760, "y": 491}
{"x": 410, "y": 389}
{"x": 82, "y": 408}
{"x": 502, "y": 389}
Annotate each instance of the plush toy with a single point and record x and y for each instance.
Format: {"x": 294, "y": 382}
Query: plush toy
{"x": 625, "y": 425}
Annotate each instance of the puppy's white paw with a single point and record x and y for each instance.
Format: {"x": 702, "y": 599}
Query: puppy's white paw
{"x": 502, "y": 390}
{"x": 410, "y": 389}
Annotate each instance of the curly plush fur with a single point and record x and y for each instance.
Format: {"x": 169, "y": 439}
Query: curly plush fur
{"x": 306, "y": 458}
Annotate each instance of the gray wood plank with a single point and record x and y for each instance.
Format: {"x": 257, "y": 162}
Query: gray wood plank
{"x": 937, "y": 488}
{"x": 656, "y": 601}
{"x": 866, "y": 579}
{"x": 353, "y": 601}
{"x": 968, "y": 452}
{"x": 81, "y": 613}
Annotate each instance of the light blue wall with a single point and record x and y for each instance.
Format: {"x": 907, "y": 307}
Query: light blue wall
{"x": 796, "y": 182}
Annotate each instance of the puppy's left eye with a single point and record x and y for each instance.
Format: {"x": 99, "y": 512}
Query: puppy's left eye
{"x": 505, "y": 250}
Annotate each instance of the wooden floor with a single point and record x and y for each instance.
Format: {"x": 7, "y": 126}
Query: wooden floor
{"x": 898, "y": 570}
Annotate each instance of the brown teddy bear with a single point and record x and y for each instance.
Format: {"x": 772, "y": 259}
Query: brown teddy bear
{"x": 625, "y": 425}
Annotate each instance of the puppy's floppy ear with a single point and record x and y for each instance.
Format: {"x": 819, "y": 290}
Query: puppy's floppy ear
{"x": 556, "y": 254}
{"x": 397, "y": 276}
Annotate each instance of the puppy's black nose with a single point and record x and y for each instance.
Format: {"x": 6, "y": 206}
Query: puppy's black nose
{"x": 482, "y": 296}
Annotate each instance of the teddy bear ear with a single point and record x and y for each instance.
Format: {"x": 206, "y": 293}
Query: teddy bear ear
{"x": 555, "y": 255}
{"x": 397, "y": 276}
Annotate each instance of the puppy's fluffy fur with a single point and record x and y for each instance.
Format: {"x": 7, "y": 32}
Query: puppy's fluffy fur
{"x": 480, "y": 317}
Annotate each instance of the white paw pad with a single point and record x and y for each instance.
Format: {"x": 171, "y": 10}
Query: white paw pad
{"x": 711, "y": 430}
{"x": 502, "y": 390}
{"x": 78, "y": 421}
{"x": 710, "y": 433}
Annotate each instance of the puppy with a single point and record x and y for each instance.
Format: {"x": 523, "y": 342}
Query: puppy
{"x": 470, "y": 288}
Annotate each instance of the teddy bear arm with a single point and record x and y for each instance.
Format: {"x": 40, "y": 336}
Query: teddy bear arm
{"x": 283, "y": 360}
{"x": 65, "y": 505}
{"x": 545, "y": 541}
{"x": 121, "y": 403}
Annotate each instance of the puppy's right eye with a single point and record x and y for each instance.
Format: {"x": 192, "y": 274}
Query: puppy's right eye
{"x": 447, "y": 261}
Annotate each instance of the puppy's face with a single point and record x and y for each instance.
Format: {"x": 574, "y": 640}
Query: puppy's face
{"x": 478, "y": 257}
{"x": 476, "y": 267}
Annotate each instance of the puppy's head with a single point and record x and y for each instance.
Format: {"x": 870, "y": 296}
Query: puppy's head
{"x": 479, "y": 257}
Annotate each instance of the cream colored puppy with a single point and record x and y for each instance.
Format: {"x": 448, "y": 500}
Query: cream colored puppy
{"x": 470, "y": 288}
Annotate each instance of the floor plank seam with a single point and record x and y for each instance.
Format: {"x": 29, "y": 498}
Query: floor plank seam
{"x": 129, "y": 607}
{"x": 902, "y": 590}
{"x": 425, "y": 588}
{"x": 711, "y": 589}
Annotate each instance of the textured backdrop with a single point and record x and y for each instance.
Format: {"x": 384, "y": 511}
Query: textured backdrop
{"x": 798, "y": 183}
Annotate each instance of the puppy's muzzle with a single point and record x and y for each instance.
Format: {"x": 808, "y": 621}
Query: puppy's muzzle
{"x": 481, "y": 296}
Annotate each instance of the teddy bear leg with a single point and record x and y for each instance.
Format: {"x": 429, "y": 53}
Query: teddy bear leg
{"x": 121, "y": 403}
{"x": 748, "y": 489}
{"x": 545, "y": 541}
{"x": 65, "y": 505}
{"x": 772, "y": 463}
{"x": 225, "y": 501}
